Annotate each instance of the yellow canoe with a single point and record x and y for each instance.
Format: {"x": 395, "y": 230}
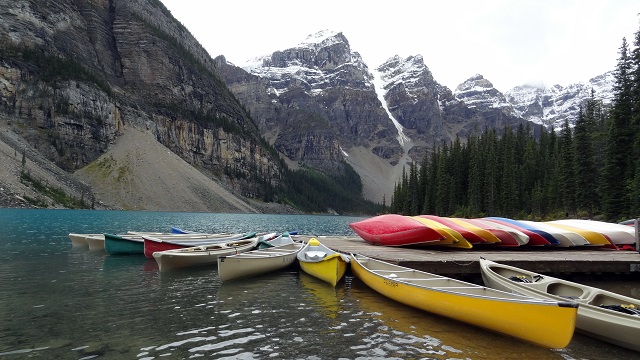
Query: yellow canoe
{"x": 486, "y": 235}
{"x": 543, "y": 322}
{"x": 451, "y": 237}
{"x": 321, "y": 262}
{"x": 593, "y": 237}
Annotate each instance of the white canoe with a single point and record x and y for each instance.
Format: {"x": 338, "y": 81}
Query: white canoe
{"x": 602, "y": 314}
{"x": 618, "y": 233}
{"x": 79, "y": 240}
{"x": 565, "y": 237}
{"x": 257, "y": 262}
{"x": 201, "y": 255}
{"x": 95, "y": 242}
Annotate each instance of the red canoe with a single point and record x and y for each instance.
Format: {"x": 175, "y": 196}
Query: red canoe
{"x": 394, "y": 230}
{"x": 154, "y": 244}
{"x": 506, "y": 239}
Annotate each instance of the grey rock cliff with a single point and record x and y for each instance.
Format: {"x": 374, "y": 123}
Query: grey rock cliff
{"x": 74, "y": 73}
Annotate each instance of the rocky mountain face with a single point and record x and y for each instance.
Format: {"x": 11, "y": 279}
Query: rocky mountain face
{"x": 74, "y": 73}
{"x": 313, "y": 102}
{"x": 320, "y": 104}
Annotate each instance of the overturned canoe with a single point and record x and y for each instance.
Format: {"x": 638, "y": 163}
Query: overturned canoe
{"x": 394, "y": 230}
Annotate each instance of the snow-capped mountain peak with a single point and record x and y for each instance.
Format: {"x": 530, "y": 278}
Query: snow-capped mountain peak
{"x": 322, "y": 60}
{"x": 324, "y": 38}
{"x": 478, "y": 92}
{"x": 552, "y": 105}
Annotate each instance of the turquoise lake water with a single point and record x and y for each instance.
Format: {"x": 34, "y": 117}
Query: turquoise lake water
{"x": 60, "y": 302}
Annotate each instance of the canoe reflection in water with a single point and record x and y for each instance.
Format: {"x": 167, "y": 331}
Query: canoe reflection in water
{"x": 327, "y": 298}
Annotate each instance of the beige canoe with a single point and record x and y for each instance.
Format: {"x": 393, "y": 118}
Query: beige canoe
{"x": 201, "y": 255}
{"x": 602, "y": 314}
{"x": 258, "y": 262}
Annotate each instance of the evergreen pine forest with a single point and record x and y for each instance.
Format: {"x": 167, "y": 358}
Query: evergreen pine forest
{"x": 588, "y": 170}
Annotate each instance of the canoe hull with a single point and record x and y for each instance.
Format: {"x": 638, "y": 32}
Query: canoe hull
{"x": 329, "y": 270}
{"x": 470, "y": 236}
{"x": 115, "y": 244}
{"x": 95, "y": 242}
{"x": 200, "y": 256}
{"x": 154, "y": 244}
{"x": 548, "y": 324}
{"x": 535, "y": 239}
{"x": 321, "y": 262}
{"x": 618, "y": 234}
{"x": 607, "y": 325}
{"x": 257, "y": 262}
{"x": 394, "y": 230}
{"x": 78, "y": 240}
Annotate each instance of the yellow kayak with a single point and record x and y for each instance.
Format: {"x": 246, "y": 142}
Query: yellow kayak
{"x": 547, "y": 323}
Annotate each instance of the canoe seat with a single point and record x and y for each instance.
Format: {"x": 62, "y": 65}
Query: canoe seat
{"x": 315, "y": 255}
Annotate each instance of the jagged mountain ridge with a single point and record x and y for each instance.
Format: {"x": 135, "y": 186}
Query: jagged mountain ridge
{"x": 548, "y": 106}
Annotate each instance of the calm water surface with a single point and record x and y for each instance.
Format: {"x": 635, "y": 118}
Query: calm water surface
{"x": 59, "y": 302}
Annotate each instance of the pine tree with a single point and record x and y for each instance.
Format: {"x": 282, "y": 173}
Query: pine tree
{"x": 414, "y": 200}
{"x": 566, "y": 173}
{"x": 443, "y": 182}
{"x": 508, "y": 188}
{"x": 585, "y": 171}
{"x": 634, "y": 188}
{"x": 616, "y": 168}
{"x": 475, "y": 182}
{"x": 490, "y": 151}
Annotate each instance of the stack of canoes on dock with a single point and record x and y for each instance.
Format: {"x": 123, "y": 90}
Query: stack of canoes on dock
{"x": 430, "y": 230}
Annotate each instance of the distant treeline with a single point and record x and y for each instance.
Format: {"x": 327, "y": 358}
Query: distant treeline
{"x": 312, "y": 191}
{"x": 589, "y": 170}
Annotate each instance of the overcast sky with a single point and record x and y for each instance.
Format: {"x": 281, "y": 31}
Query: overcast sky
{"x": 510, "y": 42}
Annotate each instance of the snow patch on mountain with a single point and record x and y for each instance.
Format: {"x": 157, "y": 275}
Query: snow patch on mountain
{"x": 380, "y": 81}
{"x": 407, "y": 73}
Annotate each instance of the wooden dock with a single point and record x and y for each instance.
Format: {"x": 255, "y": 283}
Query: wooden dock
{"x": 463, "y": 262}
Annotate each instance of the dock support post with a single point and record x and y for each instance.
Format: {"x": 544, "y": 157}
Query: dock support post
{"x": 636, "y": 223}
